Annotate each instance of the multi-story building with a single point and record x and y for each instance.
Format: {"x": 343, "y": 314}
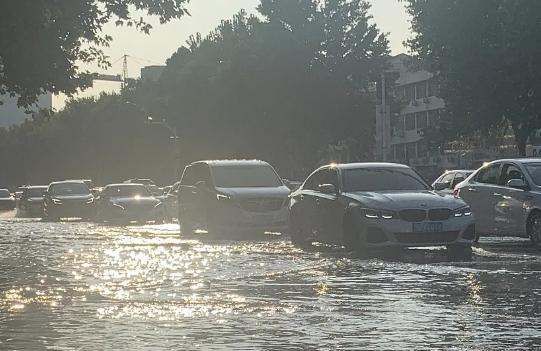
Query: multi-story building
{"x": 407, "y": 105}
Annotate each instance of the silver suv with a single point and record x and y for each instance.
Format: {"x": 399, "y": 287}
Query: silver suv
{"x": 505, "y": 197}
{"x": 232, "y": 196}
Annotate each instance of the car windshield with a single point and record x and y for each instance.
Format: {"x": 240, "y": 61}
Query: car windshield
{"x": 4, "y": 193}
{"x": 382, "y": 179}
{"x": 245, "y": 176}
{"x": 66, "y": 189}
{"x": 131, "y": 190}
{"x": 535, "y": 172}
{"x": 34, "y": 192}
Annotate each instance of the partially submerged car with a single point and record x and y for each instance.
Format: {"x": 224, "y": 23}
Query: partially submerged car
{"x": 232, "y": 196}
{"x": 31, "y": 202}
{"x": 365, "y": 206}
{"x": 68, "y": 199}
{"x": 505, "y": 197}
{"x": 127, "y": 202}
{"x": 449, "y": 179}
{"x": 7, "y": 201}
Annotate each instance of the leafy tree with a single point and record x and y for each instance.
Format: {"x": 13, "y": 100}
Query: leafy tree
{"x": 292, "y": 86}
{"x": 42, "y": 41}
{"x": 488, "y": 59}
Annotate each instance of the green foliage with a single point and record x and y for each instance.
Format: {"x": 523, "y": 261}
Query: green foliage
{"x": 292, "y": 86}
{"x": 280, "y": 88}
{"x": 104, "y": 139}
{"x": 42, "y": 41}
{"x": 488, "y": 59}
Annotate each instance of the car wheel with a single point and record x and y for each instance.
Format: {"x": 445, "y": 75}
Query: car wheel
{"x": 534, "y": 227}
{"x": 460, "y": 252}
{"x": 297, "y": 232}
{"x": 353, "y": 235}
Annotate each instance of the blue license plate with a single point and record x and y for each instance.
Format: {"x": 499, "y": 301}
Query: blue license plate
{"x": 427, "y": 227}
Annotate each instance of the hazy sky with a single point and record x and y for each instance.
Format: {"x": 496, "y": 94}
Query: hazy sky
{"x": 205, "y": 16}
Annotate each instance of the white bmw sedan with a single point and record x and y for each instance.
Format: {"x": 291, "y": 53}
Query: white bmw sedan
{"x": 505, "y": 197}
{"x": 363, "y": 206}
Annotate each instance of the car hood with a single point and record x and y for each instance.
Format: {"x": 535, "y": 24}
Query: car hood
{"x": 73, "y": 197}
{"x": 135, "y": 201}
{"x": 398, "y": 200}
{"x": 279, "y": 191}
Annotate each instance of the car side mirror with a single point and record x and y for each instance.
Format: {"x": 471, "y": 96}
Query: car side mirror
{"x": 517, "y": 184}
{"x": 441, "y": 186}
{"x": 328, "y": 189}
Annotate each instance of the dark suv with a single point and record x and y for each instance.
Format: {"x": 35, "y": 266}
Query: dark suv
{"x": 31, "y": 202}
{"x": 70, "y": 198}
{"x": 232, "y": 196}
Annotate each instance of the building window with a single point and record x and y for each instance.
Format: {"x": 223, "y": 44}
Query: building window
{"x": 411, "y": 150}
{"x": 420, "y": 90}
{"x": 433, "y": 87}
{"x": 399, "y": 152}
{"x": 421, "y": 120}
{"x": 410, "y": 121}
{"x": 433, "y": 117}
{"x": 409, "y": 92}
{"x": 422, "y": 149}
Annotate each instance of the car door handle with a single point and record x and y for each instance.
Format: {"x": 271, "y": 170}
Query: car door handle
{"x": 497, "y": 194}
{"x": 473, "y": 190}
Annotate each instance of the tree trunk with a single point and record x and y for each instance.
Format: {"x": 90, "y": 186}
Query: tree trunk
{"x": 522, "y": 132}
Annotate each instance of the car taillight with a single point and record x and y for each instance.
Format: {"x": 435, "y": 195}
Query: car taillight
{"x": 456, "y": 192}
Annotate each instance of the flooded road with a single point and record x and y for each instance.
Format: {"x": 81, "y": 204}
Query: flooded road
{"x": 67, "y": 286}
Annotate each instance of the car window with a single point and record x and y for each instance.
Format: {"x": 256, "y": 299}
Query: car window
{"x": 313, "y": 182}
{"x": 383, "y": 179}
{"x": 189, "y": 176}
{"x": 489, "y": 175}
{"x": 511, "y": 172}
{"x": 4, "y": 193}
{"x": 534, "y": 169}
{"x": 245, "y": 176}
{"x": 448, "y": 178}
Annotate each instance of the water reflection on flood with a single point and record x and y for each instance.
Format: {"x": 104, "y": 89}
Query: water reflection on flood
{"x": 81, "y": 286}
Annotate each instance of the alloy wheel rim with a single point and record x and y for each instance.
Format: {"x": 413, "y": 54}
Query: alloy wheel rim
{"x": 536, "y": 229}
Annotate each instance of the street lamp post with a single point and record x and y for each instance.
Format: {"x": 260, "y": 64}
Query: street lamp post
{"x": 173, "y": 137}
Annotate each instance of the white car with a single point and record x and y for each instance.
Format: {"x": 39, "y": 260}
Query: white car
{"x": 232, "y": 196}
{"x": 364, "y": 206}
{"x": 505, "y": 197}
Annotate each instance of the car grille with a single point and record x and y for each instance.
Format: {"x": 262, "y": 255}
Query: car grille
{"x": 262, "y": 204}
{"x": 440, "y": 214}
{"x": 418, "y": 215}
{"x": 413, "y": 215}
{"x": 426, "y": 238}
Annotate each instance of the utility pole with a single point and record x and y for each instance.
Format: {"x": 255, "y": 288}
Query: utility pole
{"x": 124, "y": 70}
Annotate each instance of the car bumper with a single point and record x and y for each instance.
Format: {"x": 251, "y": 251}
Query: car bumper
{"x": 70, "y": 211}
{"x": 234, "y": 218}
{"x": 399, "y": 233}
{"x": 7, "y": 205}
{"x": 132, "y": 214}
{"x": 32, "y": 208}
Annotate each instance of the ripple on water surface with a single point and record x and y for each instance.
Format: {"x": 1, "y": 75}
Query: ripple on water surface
{"x": 83, "y": 286}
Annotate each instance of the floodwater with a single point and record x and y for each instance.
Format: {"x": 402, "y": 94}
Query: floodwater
{"x": 82, "y": 286}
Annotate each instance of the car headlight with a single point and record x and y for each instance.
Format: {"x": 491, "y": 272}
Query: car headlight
{"x": 57, "y": 201}
{"x": 462, "y": 212}
{"x": 222, "y": 197}
{"x": 378, "y": 214}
